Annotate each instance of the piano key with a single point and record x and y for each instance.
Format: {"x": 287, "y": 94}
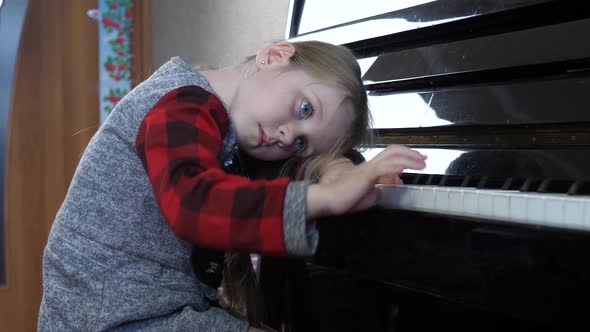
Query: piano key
{"x": 500, "y": 205}
{"x": 554, "y": 209}
{"x": 537, "y": 209}
{"x": 470, "y": 202}
{"x": 518, "y": 208}
{"x": 413, "y": 196}
{"x": 574, "y": 211}
{"x": 484, "y": 203}
{"x": 441, "y": 199}
{"x": 456, "y": 200}
{"x": 428, "y": 197}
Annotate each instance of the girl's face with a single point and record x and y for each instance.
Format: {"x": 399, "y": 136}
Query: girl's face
{"x": 278, "y": 113}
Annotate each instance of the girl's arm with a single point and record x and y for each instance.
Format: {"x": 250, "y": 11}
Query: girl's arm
{"x": 179, "y": 143}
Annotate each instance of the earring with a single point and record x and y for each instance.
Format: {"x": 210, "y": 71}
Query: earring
{"x": 262, "y": 62}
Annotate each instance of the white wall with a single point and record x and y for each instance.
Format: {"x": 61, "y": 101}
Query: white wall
{"x": 215, "y": 32}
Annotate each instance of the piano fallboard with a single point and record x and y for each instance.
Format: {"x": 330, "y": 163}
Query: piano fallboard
{"x": 540, "y": 276}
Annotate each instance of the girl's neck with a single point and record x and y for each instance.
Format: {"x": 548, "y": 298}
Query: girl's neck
{"x": 225, "y": 81}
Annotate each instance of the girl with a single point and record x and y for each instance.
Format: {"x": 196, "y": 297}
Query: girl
{"x": 155, "y": 179}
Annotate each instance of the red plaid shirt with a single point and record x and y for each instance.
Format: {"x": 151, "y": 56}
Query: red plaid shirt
{"x": 178, "y": 143}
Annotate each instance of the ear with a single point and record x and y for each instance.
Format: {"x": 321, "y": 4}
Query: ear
{"x": 277, "y": 54}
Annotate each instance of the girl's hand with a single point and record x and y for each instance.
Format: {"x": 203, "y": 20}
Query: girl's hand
{"x": 335, "y": 170}
{"x": 341, "y": 167}
{"x": 353, "y": 188}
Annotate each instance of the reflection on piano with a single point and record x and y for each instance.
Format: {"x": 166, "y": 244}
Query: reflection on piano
{"x": 495, "y": 233}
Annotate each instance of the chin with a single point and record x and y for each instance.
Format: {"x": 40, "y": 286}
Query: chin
{"x": 263, "y": 156}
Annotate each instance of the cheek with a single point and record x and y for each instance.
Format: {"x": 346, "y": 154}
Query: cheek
{"x": 273, "y": 100}
{"x": 249, "y": 95}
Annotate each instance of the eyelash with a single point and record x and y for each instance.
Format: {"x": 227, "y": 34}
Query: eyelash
{"x": 308, "y": 104}
{"x": 300, "y": 141}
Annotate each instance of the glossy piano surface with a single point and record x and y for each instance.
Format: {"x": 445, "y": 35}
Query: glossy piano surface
{"x": 506, "y": 103}
{"x": 359, "y": 22}
{"x": 385, "y": 270}
{"x": 535, "y": 275}
{"x": 558, "y": 164}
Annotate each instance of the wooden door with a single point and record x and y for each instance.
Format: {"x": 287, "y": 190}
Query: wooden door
{"x": 53, "y": 115}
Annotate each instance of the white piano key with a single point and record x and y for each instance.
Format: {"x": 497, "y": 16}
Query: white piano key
{"x": 535, "y": 209}
{"x": 553, "y": 211}
{"x": 500, "y": 205}
{"x": 403, "y": 198}
{"x": 485, "y": 204}
{"x": 416, "y": 197}
{"x": 456, "y": 200}
{"x": 391, "y": 197}
{"x": 411, "y": 198}
{"x": 587, "y": 214}
{"x": 441, "y": 199}
{"x": 470, "y": 202}
{"x": 518, "y": 208}
{"x": 573, "y": 212}
{"x": 400, "y": 196}
{"x": 428, "y": 198}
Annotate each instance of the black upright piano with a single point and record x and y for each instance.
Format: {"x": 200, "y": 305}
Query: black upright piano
{"x": 494, "y": 235}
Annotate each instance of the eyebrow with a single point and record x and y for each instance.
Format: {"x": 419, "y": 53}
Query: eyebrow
{"x": 318, "y": 103}
{"x": 317, "y": 111}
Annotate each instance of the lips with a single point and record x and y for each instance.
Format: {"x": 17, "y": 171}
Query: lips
{"x": 263, "y": 137}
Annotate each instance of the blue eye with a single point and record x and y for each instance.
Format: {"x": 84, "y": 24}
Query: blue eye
{"x": 305, "y": 109}
{"x": 300, "y": 143}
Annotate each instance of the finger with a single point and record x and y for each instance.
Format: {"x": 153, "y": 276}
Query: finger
{"x": 389, "y": 179}
{"x": 400, "y": 153}
{"x": 403, "y": 150}
{"x": 396, "y": 165}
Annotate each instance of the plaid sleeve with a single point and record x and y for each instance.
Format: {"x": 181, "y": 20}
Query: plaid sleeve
{"x": 178, "y": 143}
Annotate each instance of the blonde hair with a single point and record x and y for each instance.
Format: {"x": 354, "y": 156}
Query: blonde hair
{"x": 323, "y": 61}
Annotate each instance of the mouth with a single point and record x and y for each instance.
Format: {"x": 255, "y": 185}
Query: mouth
{"x": 263, "y": 138}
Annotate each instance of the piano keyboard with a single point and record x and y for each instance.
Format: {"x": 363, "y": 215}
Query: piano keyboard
{"x": 538, "y": 209}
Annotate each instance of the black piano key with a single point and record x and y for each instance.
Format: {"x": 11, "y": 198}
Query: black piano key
{"x": 433, "y": 179}
{"x": 579, "y": 188}
{"x": 470, "y": 181}
{"x": 421, "y": 179}
{"x": 530, "y": 185}
{"x": 515, "y": 184}
{"x": 409, "y": 178}
{"x": 451, "y": 181}
{"x": 490, "y": 183}
{"x": 555, "y": 186}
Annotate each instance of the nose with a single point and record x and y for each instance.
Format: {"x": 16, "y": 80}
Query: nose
{"x": 286, "y": 136}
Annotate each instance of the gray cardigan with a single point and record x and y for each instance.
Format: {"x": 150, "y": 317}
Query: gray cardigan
{"x": 112, "y": 261}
